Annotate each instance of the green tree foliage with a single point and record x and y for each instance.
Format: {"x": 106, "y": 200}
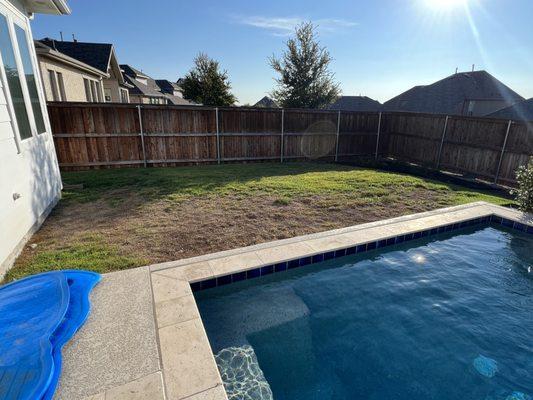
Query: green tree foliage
{"x": 524, "y": 192}
{"x": 305, "y": 80}
{"x": 206, "y": 84}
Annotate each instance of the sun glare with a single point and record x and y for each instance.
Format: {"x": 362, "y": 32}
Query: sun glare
{"x": 445, "y": 5}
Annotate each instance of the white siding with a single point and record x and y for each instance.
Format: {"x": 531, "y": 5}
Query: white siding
{"x": 32, "y": 173}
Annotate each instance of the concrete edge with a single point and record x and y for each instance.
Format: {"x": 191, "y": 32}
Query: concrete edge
{"x": 297, "y": 239}
{"x": 472, "y": 210}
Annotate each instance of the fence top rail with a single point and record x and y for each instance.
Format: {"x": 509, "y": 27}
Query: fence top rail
{"x": 61, "y": 104}
{"x": 457, "y": 117}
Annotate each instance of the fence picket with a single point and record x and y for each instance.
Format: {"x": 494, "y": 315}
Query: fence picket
{"x": 101, "y": 135}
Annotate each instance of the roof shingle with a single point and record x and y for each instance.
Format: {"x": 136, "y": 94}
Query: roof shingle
{"x": 355, "y": 103}
{"x": 521, "y": 111}
{"x": 97, "y": 55}
{"x": 449, "y": 94}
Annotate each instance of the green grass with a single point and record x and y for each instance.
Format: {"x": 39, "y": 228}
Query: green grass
{"x": 328, "y": 188}
{"x": 89, "y": 253}
{"x": 280, "y": 180}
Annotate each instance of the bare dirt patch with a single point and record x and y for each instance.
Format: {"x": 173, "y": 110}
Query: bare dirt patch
{"x": 165, "y": 230}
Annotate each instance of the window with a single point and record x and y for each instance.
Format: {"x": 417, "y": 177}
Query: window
{"x": 124, "y": 98}
{"x": 53, "y": 85}
{"x": 61, "y": 83}
{"x": 13, "y": 80}
{"x": 93, "y": 91}
{"x": 88, "y": 94}
{"x": 99, "y": 91}
{"x": 107, "y": 95}
{"x": 31, "y": 81}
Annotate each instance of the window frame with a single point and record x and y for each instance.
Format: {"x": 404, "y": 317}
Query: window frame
{"x": 33, "y": 61}
{"x": 88, "y": 92}
{"x": 9, "y": 99}
{"x": 53, "y": 85}
{"x": 61, "y": 85}
{"x": 94, "y": 90}
{"x": 124, "y": 95}
{"x": 12, "y": 20}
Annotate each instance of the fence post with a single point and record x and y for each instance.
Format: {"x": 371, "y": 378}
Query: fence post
{"x": 337, "y": 137}
{"x": 503, "y": 151}
{"x": 142, "y": 135}
{"x": 218, "y": 136}
{"x": 377, "y": 139}
{"x": 281, "y": 145}
{"x": 442, "y": 141}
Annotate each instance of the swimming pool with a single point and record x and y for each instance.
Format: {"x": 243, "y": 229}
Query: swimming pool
{"x": 445, "y": 317}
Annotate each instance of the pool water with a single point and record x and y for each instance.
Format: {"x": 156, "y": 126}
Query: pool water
{"x": 445, "y": 318}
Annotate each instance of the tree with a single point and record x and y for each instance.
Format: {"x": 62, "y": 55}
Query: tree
{"x": 206, "y": 85}
{"x": 305, "y": 79}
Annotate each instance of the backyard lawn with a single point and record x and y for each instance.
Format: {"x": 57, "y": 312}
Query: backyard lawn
{"x": 125, "y": 218}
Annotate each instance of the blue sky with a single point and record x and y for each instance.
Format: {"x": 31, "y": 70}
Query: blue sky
{"x": 380, "y": 47}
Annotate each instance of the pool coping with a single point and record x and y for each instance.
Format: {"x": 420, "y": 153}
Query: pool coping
{"x": 188, "y": 369}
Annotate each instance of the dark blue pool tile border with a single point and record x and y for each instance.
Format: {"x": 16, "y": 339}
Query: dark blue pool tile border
{"x": 360, "y": 248}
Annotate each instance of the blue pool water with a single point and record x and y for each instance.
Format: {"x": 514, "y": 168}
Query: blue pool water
{"x": 450, "y": 318}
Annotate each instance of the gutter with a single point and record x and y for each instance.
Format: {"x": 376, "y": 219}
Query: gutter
{"x": 62, "y": 6}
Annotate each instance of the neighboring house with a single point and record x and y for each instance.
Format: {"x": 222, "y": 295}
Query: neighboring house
{"x": 30, "y": 183}
{"x": 168, "y": 87}
{"x": 521, "y": 111}
{"x": 172, "y": 92}
{"x": 266, "y": 102}
{"x": 145, "y": 90}
{"x": 475, "y": 93}
{"x": 355, "y": 103}
{"x": 80, "y": 71}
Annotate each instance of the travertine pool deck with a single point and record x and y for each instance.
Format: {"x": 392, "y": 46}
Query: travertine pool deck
{"x": 144, "y": 338}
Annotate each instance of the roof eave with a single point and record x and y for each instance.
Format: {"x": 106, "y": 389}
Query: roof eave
{"x": 46, "y": 51}
{"x": 57, "y": 7}
{"x": 62, "y": 6}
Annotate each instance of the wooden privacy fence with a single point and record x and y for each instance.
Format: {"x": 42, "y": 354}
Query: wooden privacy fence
{"x": 484, "y": 148}
{"x": 114, "y": 135}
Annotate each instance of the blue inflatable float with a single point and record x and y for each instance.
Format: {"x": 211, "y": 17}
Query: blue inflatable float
{"x": 38, "y": 315}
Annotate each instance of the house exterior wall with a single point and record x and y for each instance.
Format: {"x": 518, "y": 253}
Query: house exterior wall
{"x": 114, "y": 89}
{"x": 30, "y": 183}
{"x": 479, "y": 108}
{"x": 72, "y": 78}
{"x": 113, "y": 86}
{"x": 145, "y": 99}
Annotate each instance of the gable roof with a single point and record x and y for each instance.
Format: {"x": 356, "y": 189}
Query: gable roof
{"x": 266, "y": 102}
{"x": 449, "y": 94}
{"x": 166, "y": 86}
{"x": 97, "y": 55}
{"x": 43, "y": 50}
{"x": 151, "y": 89}
{"x": 521, "y": 111}
{"x": 355, "y": 103}
{"x": 179, "y": 101}
{"x": 133, "y": 72}
{"x": 139, "y": 88}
